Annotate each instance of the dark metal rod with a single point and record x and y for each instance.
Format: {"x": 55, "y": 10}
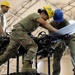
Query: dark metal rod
{"x": 17, "y": 69}
{"x": 48, "y": 64}
{"x": 8, "y": 67}
{"x": 36, "y": 61}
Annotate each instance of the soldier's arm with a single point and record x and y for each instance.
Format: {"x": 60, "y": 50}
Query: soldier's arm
{"x": 46, "y": 25}
{"x": 1, "y": 30}
{"x": 66, "y": 22}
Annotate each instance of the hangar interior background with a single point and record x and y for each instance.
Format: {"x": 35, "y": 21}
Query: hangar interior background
{"x": 21, "y": 8}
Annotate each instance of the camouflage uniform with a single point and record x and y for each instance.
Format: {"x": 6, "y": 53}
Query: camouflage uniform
{"x": 19, "y": 37}
{"x": 70, "y": 42}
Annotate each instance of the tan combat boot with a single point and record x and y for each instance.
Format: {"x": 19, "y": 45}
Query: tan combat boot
{"x": 27, "y": 67}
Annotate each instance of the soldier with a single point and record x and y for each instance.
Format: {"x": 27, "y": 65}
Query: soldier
{"x": 59, "y": 22}
{"x": 19, "y": 36}
{"x": 5, "y": 5}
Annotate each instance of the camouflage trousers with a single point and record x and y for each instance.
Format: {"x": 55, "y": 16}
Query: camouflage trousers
{"x": 59, "y": 53}
{"x": 17, "y": 38}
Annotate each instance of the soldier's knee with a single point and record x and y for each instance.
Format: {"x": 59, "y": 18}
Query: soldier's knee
{"x": 34, "y": 48}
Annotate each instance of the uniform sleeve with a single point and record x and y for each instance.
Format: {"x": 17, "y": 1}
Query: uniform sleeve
{"x": 66, "y": 22}
{"x": 35, "y": 16}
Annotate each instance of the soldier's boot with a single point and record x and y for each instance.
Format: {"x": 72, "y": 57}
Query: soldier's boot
{"x": 27, "y": 67}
